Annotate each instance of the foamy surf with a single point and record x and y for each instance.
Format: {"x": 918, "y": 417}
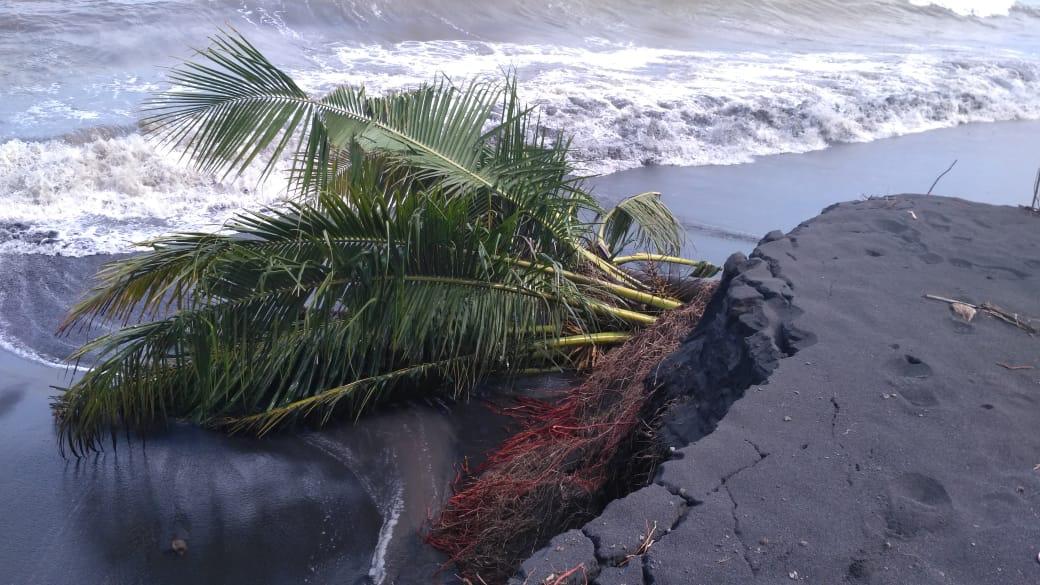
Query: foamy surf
{"x": 25, "y": 352}
{"x": 625, "y": 107}
{"x": 387, "y": 495}
{"x": 105, "y": 194}
{"x": 628, "y": 106}
{"x": 978, "y": 8}
{"x": 712, "y": 82}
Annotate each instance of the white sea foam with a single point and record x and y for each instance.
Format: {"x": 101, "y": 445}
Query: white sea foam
{"x": 981, "y": 8}
{"x": 624, "y": 104}
{"x": 53, "y": 109}
{"x": 26, "y": 352}
{"x": 391, "y": 511}
{"x": 628, "y": 105}
{"x": 105, "y": 194}
{"x": 387, "y": 494}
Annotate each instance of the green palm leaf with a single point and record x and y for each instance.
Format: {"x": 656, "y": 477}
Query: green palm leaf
{"x": 442, "y": 239}
{"x": 642, "y": 221}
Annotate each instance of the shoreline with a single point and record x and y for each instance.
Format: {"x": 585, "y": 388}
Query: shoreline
{"x": 722, "y": 207}
{"x": 726, "y": 208}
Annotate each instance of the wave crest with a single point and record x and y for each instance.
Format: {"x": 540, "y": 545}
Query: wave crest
{"x": 628, "y": 106}
{"x": 89, "y": 195}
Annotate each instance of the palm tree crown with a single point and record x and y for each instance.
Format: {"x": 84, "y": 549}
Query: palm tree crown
{"x": 437, "y": 235}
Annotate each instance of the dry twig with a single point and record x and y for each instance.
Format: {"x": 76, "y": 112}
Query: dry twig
{"x": 644, "y": 546}
{"x": 1010, "y": 367}
{"x": 562, "y": 579}
{"x": 943, "y": 174}
{"x": 1020, "y": 321}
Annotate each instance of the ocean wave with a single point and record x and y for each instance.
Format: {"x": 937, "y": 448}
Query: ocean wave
{"x": 629, "y": 106}
{"x": 979, "y": 8}
{"x": 100, "y": 191}
{"x": 96, "y": 192}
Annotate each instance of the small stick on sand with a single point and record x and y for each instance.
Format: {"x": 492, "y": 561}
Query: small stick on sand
{"x": 565, "y": 577}
{"x": 1010, "y": 367}
{"x": 644, "y": 546}
{"x": 1023, "y": 323}
{"x": 943, "y": 174}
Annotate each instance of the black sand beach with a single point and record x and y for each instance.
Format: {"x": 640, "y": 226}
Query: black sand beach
{"x": 828, "y": 424}
{"x": 846, "y": 429}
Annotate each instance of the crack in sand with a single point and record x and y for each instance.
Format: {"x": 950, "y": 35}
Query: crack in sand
{"x": 775, "y": 305}
{"x": 681, "y": 493}
{"x": 761, "y": 454}
{"x": 834, "y": 420}
{"x": 834, "y": 435}
{"x": 744, "y": 548}
{"x": 693, "y": 502}
{"x": 724, "y": 485}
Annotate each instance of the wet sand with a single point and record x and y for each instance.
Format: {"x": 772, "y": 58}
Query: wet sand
{"x": 344, "y": 505}
{"x": 340, "y": 506}
{"x": 728, "y": 208}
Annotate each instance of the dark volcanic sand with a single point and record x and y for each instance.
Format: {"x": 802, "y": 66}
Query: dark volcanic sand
{"x": 892, "y": 448}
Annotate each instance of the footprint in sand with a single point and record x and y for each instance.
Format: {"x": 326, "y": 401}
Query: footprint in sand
{"x": 909, "y": 366}
{"x": 933, "y": 218}
{"x": 992, "y": 271}
{"x": 917, "y": 504}
{"x": 919, "y": 396}
{"x": 891, "y": 225}
{"x": 931, "y": 258}
{"x": 913, "y": 386}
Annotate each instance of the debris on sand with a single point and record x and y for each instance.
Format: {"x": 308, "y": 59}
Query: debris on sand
{"x": 551, "y": 476}
{"x": 1028, "y": 324}
{"x": 966, "y": 312}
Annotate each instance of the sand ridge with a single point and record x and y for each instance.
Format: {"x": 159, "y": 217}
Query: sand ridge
{"x": 880, "y": 438}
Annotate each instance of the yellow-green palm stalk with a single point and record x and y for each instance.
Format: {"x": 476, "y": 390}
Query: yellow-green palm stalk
{"x": 433, "y": 237}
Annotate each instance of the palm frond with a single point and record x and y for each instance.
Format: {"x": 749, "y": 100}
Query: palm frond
{"x": 442, "y": 239}
{"x": 642, "y": 221}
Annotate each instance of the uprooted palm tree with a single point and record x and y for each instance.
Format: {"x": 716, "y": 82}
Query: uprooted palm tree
{"x": 434, "y": 236}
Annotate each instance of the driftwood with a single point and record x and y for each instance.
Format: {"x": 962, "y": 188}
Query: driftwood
{"x": 1020, "y": 321}
{"x": 1011, "y": 367}
{"x": 1036, "y": 192}
{"x": 941, "y": 175}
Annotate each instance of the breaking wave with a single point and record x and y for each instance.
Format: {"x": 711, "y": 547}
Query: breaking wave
{"x": 642, "y": 82}
{"x": 105, "y": 194}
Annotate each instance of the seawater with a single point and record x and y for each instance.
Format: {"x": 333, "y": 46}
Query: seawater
{"x": 643, "y": 83}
